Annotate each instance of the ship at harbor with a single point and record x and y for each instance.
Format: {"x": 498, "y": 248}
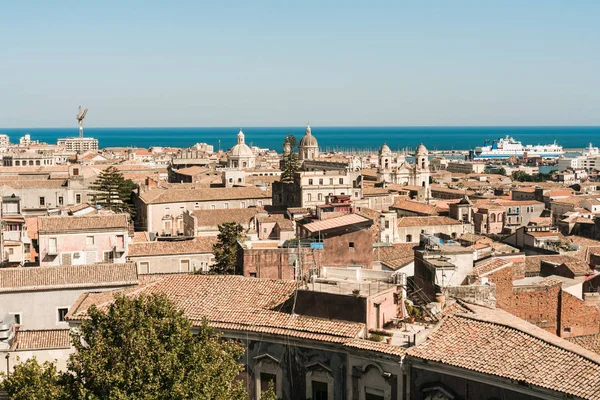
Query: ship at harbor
{"x": 507, "y": 147}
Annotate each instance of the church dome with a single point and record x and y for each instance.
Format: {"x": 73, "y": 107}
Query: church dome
{"x": 241, "y": 149}
{"x": 385, "y": 150}
{"x": 422, "y": 150}
{"x": 308, "y": 140}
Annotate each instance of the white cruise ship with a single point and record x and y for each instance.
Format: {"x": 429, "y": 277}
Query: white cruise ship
{"x": 507, "y": 147}
{"x": 590, "y": 151}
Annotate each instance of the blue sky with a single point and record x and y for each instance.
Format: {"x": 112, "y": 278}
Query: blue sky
{"x": 280, "y": 63}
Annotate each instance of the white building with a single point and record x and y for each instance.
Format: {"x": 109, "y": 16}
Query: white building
{"x": 589, "y": 163}
{"x": 241, "y": 155}
{"x": 308, "y": 149}
{"x": 4, "y": 141}
{"x": 78, "y": 144}
{"x": 404, "y": 174}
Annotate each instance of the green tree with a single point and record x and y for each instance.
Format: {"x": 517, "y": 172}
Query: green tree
{"x": 502, "y": 171}
{"x": 32, "y": 381}
{"x": 291, "y": 165}
{"x": 113, "y": 191}
{"x": 291, "y": 139}
{"x": 269, "y": 394}
{"x": 139, "y": 348}
{"x": 225, "y": 250}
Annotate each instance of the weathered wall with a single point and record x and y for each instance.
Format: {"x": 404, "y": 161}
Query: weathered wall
{"x": 578, "y": 317}
{"x": 338, "y": 253}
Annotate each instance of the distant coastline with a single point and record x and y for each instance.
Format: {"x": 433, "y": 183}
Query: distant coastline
{"x": 330, "y": 138}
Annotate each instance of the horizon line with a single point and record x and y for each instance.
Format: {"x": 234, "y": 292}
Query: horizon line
{"x": 302, "y": 126}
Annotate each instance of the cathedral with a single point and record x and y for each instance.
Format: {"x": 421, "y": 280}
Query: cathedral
{"x": 398, "y": 171}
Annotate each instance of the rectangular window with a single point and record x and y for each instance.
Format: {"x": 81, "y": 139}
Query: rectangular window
{"x": 60, "y": 201}
{"x": 351, "y": 245}
{"x": 243, "y": 204}
{"x": 320, "y": 181}
{"x": 42, "y": 201}
{"x": 341, "y": 181}
{"x": 226, "y": 205}
{"x": 89, "y": 240}
{"x": 77, "y": 199}
{"x": 331, "y": 181}
{"x": 108, "y": 257}
{"x": 11, "y": 251}
{"x": 61, "y": 314}
{"x": 387, "y": 224}
{"x": 212, "y": 206}
{"x": 310, "y": 181}
{"x": 319, "y": 390}
{"x": 265, "y": 378}
{"x": 17, "y": 317}
{"x": 260, "y": 203}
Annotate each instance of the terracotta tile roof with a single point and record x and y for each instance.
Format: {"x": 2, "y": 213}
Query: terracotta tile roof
{"x": 490, "y": 266}
{"x": 497, "y": 343}
{"x": 199, "y": 245}
{"x": 379, "y": 347}
{"x": 577, "y": 267}
{"x": 67, "y": 276}
{"x": 338, "y": 222}
{"x": 194, "y": 170}
{"x": 35, "y": 184}
{"x": 214, "y": 218}
{"x": 414, "y": 206}
{"x": 533, "y": 264}
{"x": 45, "y": 339}
{"x": 298, "y": 210}
{"x": 83, "y": 223}
{"x": 235, "y": 303}
{"x": 542, "y": 221}
{"x": 426, "y": 221}
{"x": 559, "y": 192}
{"x": 395, "y": 256}
{"x": 508, "y": 203}
{"x": 141, "y": 237}
{"x": 588, "y": 342}
{"x": 375, "y": 191}
{"x": 544, "y": 234}
{"x": 172, "y": 195}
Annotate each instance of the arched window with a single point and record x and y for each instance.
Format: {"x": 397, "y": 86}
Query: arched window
{"x": 17, "y": 163}
{"x": 492, "y": 217}
{"x": 37, "y": 162}
{"x": 309, "y": 197}
{"x": 408, "y": 238}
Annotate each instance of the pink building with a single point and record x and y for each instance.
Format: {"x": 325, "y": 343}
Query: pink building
{"x": 83, "y": 240}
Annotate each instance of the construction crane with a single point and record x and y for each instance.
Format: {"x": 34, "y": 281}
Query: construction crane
{"x": 80, "y": 117}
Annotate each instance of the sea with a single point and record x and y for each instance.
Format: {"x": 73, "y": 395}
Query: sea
{"x": 330, "y": 138}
